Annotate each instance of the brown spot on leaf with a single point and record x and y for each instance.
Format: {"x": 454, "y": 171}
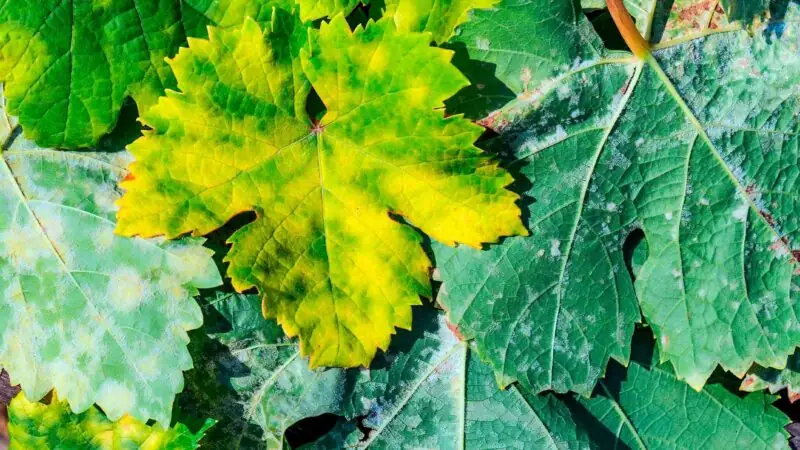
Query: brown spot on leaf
{"x": 793, "y": 396}
{"x": 748, "y": 382}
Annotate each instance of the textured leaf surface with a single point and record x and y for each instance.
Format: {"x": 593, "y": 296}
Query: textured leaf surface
{"x": 68, "y": 65}
{"x": 330, "y": 263}
{"x": 36, "y": 426}
{"x": 697, "y": 147}
{"x": 432, "y": 391}
{"x": 252, "y": 378}
{"x": 647, "y": 407}
{"x": 101, "y": 318}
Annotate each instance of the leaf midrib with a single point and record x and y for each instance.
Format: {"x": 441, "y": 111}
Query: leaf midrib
{"x": 89, "y": 302}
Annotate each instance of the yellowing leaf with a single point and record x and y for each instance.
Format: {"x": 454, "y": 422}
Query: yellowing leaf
{"x": 35, "y": 425}
{"x": 331, "y": 264}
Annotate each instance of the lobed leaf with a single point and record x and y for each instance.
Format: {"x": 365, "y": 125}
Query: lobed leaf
{"x": 696, "y": 146}
{"x": 647, "y": 407}
{"x": 101, "y": 318}
{"x": 330, "y": 263}
{"x": 34, "y": 425}
{"x": 68, "y": 65}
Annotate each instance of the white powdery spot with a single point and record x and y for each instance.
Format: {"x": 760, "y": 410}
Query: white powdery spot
{"x": 704, "y": 201}
{"x": 611, "y": 206}
{"x": 482, "y": 44}
{"x": 668, "y": 216}
{"x": 740, "y": 213}
{"x": 126, "y": 289}
{"x": 555, "y": 250}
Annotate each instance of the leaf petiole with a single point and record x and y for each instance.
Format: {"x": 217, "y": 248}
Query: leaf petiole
{"x": 627, "y": 28}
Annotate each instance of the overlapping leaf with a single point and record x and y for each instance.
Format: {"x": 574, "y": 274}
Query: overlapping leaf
{"x": 428, "y": 391}
{"x": 647, "y": 407}
{"x": 38, "y": 426}
{"x": 252, "y": 378}
{"x": 330, "y": 263}
{"x": 68, "y": 65}
{"x": 100, "y": 317}
{"x": 697, "y": 147}
{"x": 774, "y": 380}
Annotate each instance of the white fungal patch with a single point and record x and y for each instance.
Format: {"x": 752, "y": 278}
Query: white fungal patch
{"x": 740, "y": 213}
{"x": 611, "y": 206}
{"x": 555, "y": 250}
{"x": 668, "y": 216}
{"x": 126, "y": 289}
{"x": 704, "y": 201}
{"x": 482, "y": 44}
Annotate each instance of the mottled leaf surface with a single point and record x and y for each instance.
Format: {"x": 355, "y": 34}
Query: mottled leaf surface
{"x": 646, "y": 407}
{"x": 252, "y": 378}
{"x": 331, "y": 264}
{"x": 38, "y": 426}
{"x": 697, "y": 147}
{"x": 68, "y": 65}
{"x": 431, "y": 391}
{"x": 101, "y": 318}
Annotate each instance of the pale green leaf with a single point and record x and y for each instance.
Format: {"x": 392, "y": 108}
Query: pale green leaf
{"x": 101, "y": 318}
{"x": 697, "y": 147}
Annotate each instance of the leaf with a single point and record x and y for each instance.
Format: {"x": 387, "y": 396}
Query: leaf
{"x": 34, "y": 425}
{"x": 563, "y": 36}
{"x": 428, "y": 391}
{"x": 746, "y": 10}
{"x": 318, "y": 9}
{"x": 68, "y": 65}
{"x": 760, "y": 378}
{"x": 101, "y": 318}
{"x": 697, "y": 147}
{"x": 432, "y": 391}
{"x": 330, "y": 263}
{"x": 646, "y": 406}
{"x": 251, "y": 377}
{"x": 439, "y": 18}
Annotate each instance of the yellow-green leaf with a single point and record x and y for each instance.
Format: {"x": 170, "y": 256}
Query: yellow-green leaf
{"x": 39, "y": 426}
{"x": 330, "y": 262}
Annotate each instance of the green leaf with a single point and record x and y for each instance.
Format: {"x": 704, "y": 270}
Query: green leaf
{"x": 696, "y": 146}
{"x": 432, "y": 391}
{"x": 101, "y": 318}
{"x": 331, "y": 264}
{"x": 34, "y": 425}
{"x": 318, "y": 9}
{"x": 68, "y": 65}
{"x": 774, "y": 380}
{"x": 647, "y": 407}
{"x": 251, "y": 378}
{"x": 440, "y": 18}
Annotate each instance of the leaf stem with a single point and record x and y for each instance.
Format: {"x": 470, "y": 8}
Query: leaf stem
{"x": 627, "y": 29}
